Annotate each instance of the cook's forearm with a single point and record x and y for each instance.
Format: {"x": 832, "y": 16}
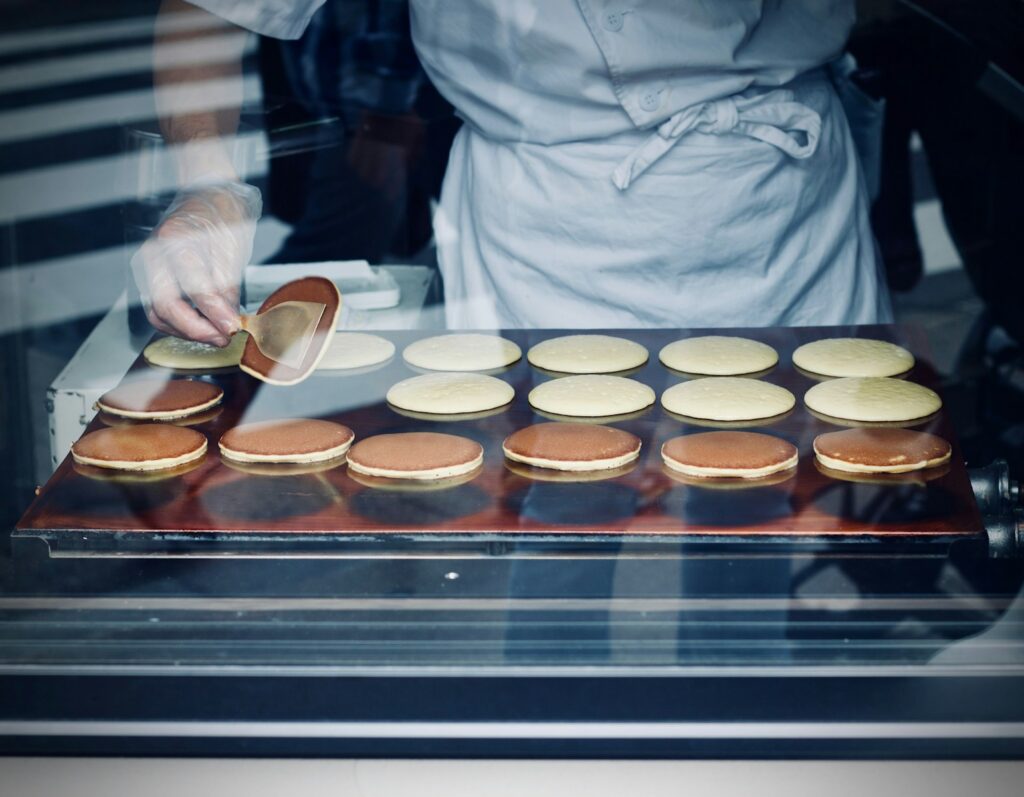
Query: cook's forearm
{"x": 198, "y": 89}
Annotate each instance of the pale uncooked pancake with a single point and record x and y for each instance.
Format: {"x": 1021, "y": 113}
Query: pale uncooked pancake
{"x": 146, "y": 446}
{"x": 747, "y": 455}
{"x": 591, "y": 395}
{"x": 159, "y": 399}
{"x": 188, "y": 355}
{"x": 447, "y": 393}
{"x": 295, "y": 440}
{"x": 572, "y": 446}
{"x": 885, "y": 450}
{"x": 415, "y": 455}
{"x": 587, "y": 354}
{"x": 463, "y": 352}
{"x": 355, "y": 350}
{"x": 718, "y": 355}
{"x": 727, "y": 398}
{"x": 853, "y": 357}
{"x": 881, "y": 399}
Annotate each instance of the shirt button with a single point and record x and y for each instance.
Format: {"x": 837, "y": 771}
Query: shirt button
{"x": 650, "y": 101}
{"x": 612, "y": 20}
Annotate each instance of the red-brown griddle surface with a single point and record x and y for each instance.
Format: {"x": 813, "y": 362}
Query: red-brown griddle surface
{"x": 216, "y": 498}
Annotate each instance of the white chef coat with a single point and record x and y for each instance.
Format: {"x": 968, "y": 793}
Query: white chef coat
{"x": 680, "y": 163}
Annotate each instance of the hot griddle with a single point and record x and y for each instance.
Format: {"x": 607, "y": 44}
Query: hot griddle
{"x": 216, "y": 504}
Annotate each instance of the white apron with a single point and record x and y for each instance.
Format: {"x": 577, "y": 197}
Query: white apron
{"x": 640, "y": 162}
{"x": 654, "y": 167}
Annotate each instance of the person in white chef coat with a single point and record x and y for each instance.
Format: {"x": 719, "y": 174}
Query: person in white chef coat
{"x": 672, "y": 163}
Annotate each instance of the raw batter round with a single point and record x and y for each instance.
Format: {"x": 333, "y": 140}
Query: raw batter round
{"x": 146, "y": 446}
{"x": 294, "y": 440}
{"x": 572, "y": 446}
{"x": 591, "y": 395}
{"x": 356, "y": 350}
{"x": 415, "y": 455}
{"x": 587, "y": 354}
{"x": 746, "y": 455}
{"x": 853, "y": 357}
{"x": 886, "y": 450}
{"x": 463, "y": 352}
{"x": 727, "y": 398}
{"x": 450, "y": 393}
{"x": 188, "y": 355}
{"x": 873, "y": 399}
{"x": 718, "y": 355}
{"x": 159, "y": 399}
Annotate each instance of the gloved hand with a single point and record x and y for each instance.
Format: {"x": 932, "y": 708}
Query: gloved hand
{"x": 189, "y": 270}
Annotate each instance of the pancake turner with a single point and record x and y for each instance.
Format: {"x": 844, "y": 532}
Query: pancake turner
{"x": 284, "y": 332}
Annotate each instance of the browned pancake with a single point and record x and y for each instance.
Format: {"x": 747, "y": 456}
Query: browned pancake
{"x": 158, "y": 398}
{"x": 296, "y": 440}
{"x": 193, "y": 419}
{"x": 415, "y": 455}
{"x": 553, "y": 475}
{"x": 572, "y": 446}
{"x": 883, "y": 450}
{"x": 729, "y": 454}
{"x": 148, "y": 446}
{"x": 307, "y": 289}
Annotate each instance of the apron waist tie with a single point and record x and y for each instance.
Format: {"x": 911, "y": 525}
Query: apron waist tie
{"x": 773, "y": 117}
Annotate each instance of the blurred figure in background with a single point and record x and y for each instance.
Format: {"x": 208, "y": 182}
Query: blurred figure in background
{"x": 359, "y": 137}
{"x": 932, "y": 83}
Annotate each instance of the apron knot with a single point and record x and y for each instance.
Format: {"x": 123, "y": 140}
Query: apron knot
{"x": 774, "y": 117}
{"x": 724, "y": 116}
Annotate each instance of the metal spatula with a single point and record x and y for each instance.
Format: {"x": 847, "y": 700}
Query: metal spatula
{"x": 285, "y": 331}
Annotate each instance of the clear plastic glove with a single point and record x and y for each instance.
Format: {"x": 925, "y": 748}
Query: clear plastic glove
{"x": 189, "y": 271}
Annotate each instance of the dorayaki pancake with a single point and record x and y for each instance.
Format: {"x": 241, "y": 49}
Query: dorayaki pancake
{"x": 725, "y": 483}
{"x": 870, "y": 399}
{"x": 917, "y": 478}
{"x": 718, "y": 355}
{"x": 853, "y": 357}
{"x": 446, "y": 393}
{"x": 572, "y": 446}
{"x": 187, "y": 420}
{"x": 189, "y": 355}
{"x": 591, "y": 396}
{"x": 159, "y": 399}
{"x": 887, "y": 450}
{"x": 295, "y": 440}
{"x": 727, "y": 398}
{"x": 587, "y": 354}
{"x": 747, "y": 455}
{"x": 307, "y": 289}
{"x": 279, "y": 469}
{"x": 415, "y": 455}
{"x": 407, "y": 485}
{"x": 147, "y": 446}
{"x": 568, "y": 476}
{"x": 462, "y": 352}
{"x": 351, "y": 350}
